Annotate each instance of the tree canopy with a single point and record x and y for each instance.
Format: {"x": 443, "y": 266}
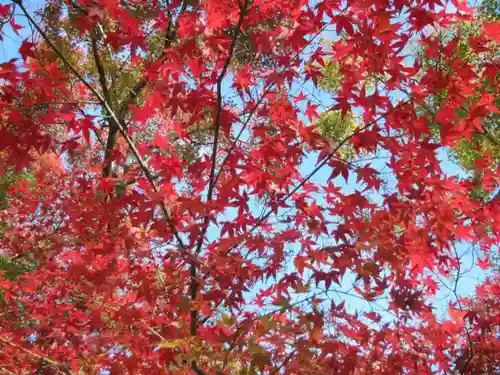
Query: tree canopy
{"x": 486, "y": 140}
{"x": 248, "y": 187}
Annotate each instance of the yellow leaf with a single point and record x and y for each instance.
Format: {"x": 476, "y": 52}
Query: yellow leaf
{"x": 171, "y": 344}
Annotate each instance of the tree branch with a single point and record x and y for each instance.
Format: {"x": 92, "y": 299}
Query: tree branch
{"x": 211, "y": 185}
{"x": 240, "y": 133}
{"x": 470, "y": 355}
{"x": 250, "y": 115}
{"x": 113, "y": 117}
{"x": 142, "y": 82}
{"x": 196, "y": 369}
{"x": 38, "y": 356}
{"x": 491, "y": 137}
{"x": 218, "y": 115}
{"x": 194, "y": 285}
{"x": 285, "y": 362}
{"x": 113, "y": 129}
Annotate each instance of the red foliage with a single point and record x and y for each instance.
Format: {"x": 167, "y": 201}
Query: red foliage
{"x": 247, "y": 256}
{"x": 484, "y": 329}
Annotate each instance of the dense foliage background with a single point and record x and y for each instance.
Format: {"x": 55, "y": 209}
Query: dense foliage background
{"x": 249, "y": 187}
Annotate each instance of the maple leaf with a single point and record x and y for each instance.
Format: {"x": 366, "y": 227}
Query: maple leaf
{"x": 456, "y": 315}
{"x": 4, "y": 10}
{"x": 300, "y": 263}
{"x": 311, "y": 112}
{"x": 421, "y": 261}
{"x": 339, "y": 168}
{"x": 369, "y": 175}
{"x": 421, "y": 18}
{"x": 344, "y": 23}
{"x": 492, "y": 31}
{"x": 15, "y": 26}
{"x": 299, "y": 98}
{"x": 484, "y": 263}
{"x": 27, "y": 49}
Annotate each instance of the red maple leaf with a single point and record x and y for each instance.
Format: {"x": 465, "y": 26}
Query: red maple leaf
{"x": 492, "y": 31}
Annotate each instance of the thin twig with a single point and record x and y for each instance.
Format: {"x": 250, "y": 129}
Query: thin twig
{"x": 285, "y": 362}
{"x": 467, "y": 332}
